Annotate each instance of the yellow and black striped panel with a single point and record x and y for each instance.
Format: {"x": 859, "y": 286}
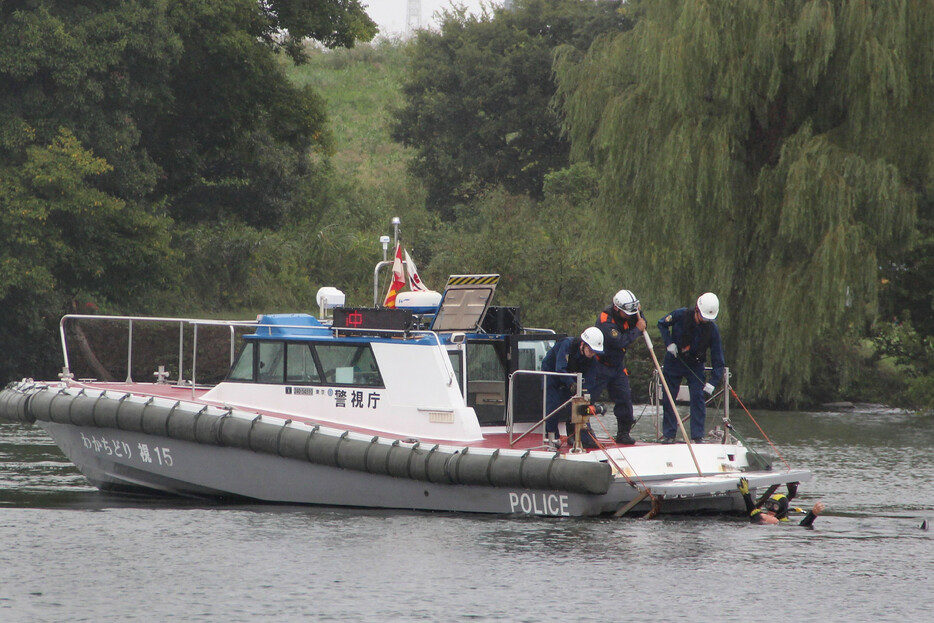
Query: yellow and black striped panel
{"x": 472, "y": 280}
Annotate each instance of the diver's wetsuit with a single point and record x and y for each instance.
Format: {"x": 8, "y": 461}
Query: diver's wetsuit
{"x": 755, "y": 514}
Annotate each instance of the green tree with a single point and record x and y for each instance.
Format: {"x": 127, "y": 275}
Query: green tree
{"x": 478, "y": 97}
{"x": 115, "y": 115}
{"x": 235, "y": 138}
{"x": 334, "y": 23}
{"x": 548, "y": 252}
{"x": 64, "y": 241}
{"x": 771, "y": 152}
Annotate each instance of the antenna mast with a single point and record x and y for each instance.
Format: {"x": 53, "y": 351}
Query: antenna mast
{"x": 413, "y": 16}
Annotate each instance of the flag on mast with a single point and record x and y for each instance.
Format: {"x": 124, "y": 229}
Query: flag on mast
{"x": 398, "y": 279}
{"x": 415, "y": 282}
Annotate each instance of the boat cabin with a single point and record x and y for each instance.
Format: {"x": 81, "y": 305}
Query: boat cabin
{"x": 486, "y": 346}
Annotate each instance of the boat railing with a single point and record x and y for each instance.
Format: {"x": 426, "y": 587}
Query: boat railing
{"x": 182, "y": 323}
{"x": 657, "y": 397}
{"x": 510, "y": 411}
{"x": 195, "y": 323}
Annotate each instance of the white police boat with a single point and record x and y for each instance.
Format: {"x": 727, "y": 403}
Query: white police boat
{"x": 435, "y": 408}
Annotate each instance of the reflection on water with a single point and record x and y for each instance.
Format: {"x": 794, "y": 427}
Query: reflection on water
{"x": 72, "y": 553}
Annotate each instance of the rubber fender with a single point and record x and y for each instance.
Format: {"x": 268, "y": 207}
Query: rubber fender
{"x": 472, "y": 469}
{"x": 436, "y": 467}
{"x": 42, "y": 403}
{"x": 504, "y": 471}
{"x": 80, "y": 410}
{"x": 230, "y": 431}
{"x": 14, "y": 406}
{"x": 351, "y": 454}
{"x": 156, "y": 422}
{"x": 130, "y": 416}
{"x": 534, "y": 473}
{"x": 182, "y": 424}
{"x": 292, "y": 443}
{"x": 418, "y": 461}
{"x": 377, "y": 458}
{"x": 106, "y": 411}
{"x": 322, "y": 449}
{"x": 264, "y": 436}
{"x": 208, "y": 427}
{"x": 397, "y": 463}
{"x": 581, "y": 477}
{"x": 150, "y": 415}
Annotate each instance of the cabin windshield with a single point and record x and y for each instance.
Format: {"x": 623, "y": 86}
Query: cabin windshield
{"x": 242, "y": 370}
{"x": 306, "y": 363}
{"x": 349, "y": 364}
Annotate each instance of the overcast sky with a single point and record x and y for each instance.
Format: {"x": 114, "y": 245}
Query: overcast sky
{"x": 390, "y": 15}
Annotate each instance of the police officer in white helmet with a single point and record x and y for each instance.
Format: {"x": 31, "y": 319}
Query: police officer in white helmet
{"x": 622, "y": 323}
{"x": 571, "y": 354}
{"x": 689, "y": 334}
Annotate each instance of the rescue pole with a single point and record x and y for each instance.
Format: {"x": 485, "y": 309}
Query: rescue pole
{"x": 671, "y": 401}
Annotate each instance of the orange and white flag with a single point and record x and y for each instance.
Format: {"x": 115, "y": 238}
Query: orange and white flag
{"x": 415, "y": 282}
{"x": 398, "y": 279}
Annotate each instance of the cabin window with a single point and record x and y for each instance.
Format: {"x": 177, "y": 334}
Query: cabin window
{"x": 349, "y": 364}
{"x": 300, "y": 365}
{"x": 242, "y": 370}
{"x": 457, "y": 364}
{"x": 486, "y": 381}
{"x": 271, "y": 362}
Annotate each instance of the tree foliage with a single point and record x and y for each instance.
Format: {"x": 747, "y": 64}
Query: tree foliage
{"x": 478, "y": 97}
{"x": 334, "y": 23}
{"x": 772, "y": 152}
{"x": 234, "y": 139}
{"x": 549, "y": 252}
{"x": 116, "y": 116}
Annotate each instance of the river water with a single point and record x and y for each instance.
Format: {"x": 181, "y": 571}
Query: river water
{"x": 71, "y": 553}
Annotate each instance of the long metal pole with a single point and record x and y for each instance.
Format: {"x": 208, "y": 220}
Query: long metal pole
{"x": 671, "y": 401}
{"x": 129, "y": 355}
{"x": 181, "y": 352}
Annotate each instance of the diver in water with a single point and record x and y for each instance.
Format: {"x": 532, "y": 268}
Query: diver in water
{"x": 775, "y": 508}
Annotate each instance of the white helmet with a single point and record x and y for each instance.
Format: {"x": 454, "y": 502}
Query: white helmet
{"x": 593, "y": 337}
{"x": 708, "y": 305}
{"x": 626, "y": 302}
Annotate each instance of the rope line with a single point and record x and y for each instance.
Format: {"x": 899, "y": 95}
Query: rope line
{"x": 616, "y": 465}
{"x": 771, "y": 445}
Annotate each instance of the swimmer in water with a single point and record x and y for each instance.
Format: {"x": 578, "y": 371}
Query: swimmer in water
{"x": 775, "y": 509}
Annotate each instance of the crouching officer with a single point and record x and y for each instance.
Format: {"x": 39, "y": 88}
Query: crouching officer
{"x": 775, "y": 509}
{"x": 570, "y": 355}
{"x": 622, "y": 323}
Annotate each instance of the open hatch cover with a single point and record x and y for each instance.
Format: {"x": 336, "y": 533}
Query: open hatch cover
{"x": 464, "y": 302}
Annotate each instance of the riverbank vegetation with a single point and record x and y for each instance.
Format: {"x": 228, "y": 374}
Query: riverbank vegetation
{"x": 181, "y": 158}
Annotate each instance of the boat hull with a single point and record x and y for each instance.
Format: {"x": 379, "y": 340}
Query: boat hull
{"x": 128, "y": 461}
{"x": 141, "y": 442}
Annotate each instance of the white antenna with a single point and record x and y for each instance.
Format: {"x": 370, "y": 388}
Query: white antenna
{"x": 413, "y": 16}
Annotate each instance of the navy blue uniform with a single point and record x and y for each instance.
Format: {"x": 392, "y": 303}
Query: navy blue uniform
{"x": 694, "y": 340}
{"x": 619, "y": 331}
{"x": 564, "y": 356}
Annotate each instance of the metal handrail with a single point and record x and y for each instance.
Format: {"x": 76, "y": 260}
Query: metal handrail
{"x": 509, "y": 403}
{"x": 182, "y": 322}
{"x": 232, "y": 324}
{"x": 655, "y": 399}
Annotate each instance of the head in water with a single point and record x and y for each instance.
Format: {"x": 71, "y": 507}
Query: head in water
{"x": 777, "y": 504}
